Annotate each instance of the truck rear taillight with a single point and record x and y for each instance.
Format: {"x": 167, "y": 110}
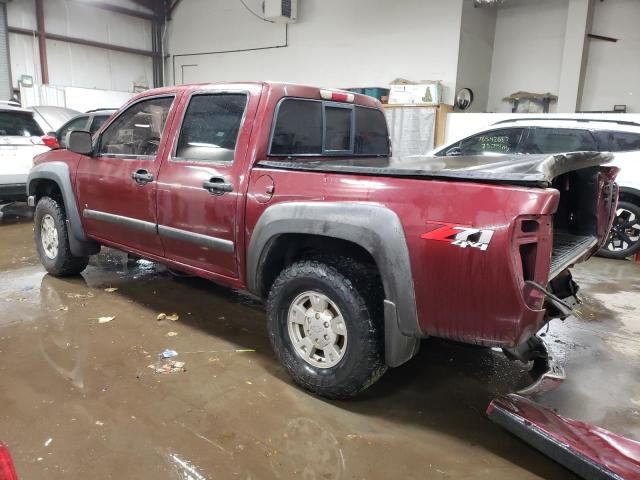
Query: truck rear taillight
{"x": 7, "y": 471}
{"x": 337, "y": 95}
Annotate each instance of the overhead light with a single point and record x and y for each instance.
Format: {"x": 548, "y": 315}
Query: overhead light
{"x": 26, "y": 80}
{"x": 487, "y": 3}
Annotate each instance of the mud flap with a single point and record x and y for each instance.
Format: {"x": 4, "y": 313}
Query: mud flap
{"x": 587, "y": 450}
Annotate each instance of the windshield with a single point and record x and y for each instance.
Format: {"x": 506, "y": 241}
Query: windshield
{"x": 19, "y": 124}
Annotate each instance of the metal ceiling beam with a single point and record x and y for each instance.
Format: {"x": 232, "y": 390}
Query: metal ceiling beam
{"x": 78, "y": 41}
{"x": 114, "y": 8}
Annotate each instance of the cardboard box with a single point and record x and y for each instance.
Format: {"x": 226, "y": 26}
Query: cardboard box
{"x": 423, "y": 93}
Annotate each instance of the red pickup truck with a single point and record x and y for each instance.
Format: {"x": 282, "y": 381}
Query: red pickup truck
{"x": 290, "y": 192}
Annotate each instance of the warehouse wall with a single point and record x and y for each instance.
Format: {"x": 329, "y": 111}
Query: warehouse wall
{"x": 527, "y": 49}
{"x": 476, "y": 51}
{"x": 334, "y": 43}
{"x": 79, "y": 65}
{"x": 613, "y": 69}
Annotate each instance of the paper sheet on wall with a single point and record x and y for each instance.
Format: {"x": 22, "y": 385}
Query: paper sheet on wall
{"x": 411, "y": 129}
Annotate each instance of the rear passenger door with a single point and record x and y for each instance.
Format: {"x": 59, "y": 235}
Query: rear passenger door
{"x": 201, "y": 185}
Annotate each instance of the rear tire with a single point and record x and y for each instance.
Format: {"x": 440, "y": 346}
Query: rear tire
{"x": 323, "y": 331}
{"x": 52, "y": 240}
{"x": 624, "y": 238}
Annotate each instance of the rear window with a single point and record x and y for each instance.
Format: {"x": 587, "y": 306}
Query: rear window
{"x": 19, "y": 124}
{"x": 618, "y": 141}
{"x": 313, "y": 127}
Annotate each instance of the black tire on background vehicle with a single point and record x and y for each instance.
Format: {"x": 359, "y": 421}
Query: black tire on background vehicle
{"x": 326, "y": 329}
{"x": 624, "y": 238}
{"x": 52, "y": 240}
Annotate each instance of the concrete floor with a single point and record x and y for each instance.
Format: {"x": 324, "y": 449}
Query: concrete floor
{"x": 79, "y": 401}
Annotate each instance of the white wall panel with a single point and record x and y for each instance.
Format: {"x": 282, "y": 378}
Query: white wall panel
{"x": 25, "y": 57}
{"x": 221, "y": 25}
{"x": 79, "y": 65}
{"x": 22, "y": 14}
{"x": 613, "y": 69}
{"x": 83, "y": 99}
{"x": 476, "y": 51}
{"x": 527, "y": 49}
{"x": 90, "y": 67}
{"x": 334, "y": 43}
{"x": 69, "y": 18}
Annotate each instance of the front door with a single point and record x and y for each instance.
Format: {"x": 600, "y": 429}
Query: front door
{"x": 117, "y": 185}
{"x": 199, "y": 189}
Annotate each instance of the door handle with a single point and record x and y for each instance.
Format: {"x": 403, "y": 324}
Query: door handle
{"x": 217, "y": 186}
{"x": 142, "y": 176}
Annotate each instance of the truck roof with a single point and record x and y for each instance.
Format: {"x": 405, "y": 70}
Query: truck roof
{"x": 580, "y": 123}
{"x": 283, "y": 89}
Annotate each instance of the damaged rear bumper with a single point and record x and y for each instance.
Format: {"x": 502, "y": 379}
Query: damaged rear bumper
{"x": 587, "y": 450}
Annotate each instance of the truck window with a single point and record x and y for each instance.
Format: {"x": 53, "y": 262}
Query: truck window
{"x": 298, "y": 129}
{"x": 211, "y": 126}
{"x": 618, "y": 141}
{"x": 372, "y": 137}
{"x": 501, "y": 141}
{"x": 313, "y": 127}
{"x": 338, "y": 128}
{"x": 137, "y": 131}
{"x": 557, "y": 140}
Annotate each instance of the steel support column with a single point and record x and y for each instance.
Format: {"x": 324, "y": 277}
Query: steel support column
{"x": 42, "y": 42}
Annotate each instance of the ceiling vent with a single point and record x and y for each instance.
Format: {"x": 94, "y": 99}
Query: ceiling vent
{"x": 281, "y": 11}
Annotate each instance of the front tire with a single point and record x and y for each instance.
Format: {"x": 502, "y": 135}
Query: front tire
{"x": 52, "y": 240}
{"x": 624, "y": 238}
{"x": 326, "y": 335}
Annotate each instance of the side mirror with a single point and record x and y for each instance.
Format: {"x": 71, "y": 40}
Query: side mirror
{"x": 79, "y": 141}
{"x": 51, "y": 134}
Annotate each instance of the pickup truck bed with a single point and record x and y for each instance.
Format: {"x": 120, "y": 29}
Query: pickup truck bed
{"x": 289, "y": 192}
{"x": 525, "y": 170}
{"x": 568, "y": 249}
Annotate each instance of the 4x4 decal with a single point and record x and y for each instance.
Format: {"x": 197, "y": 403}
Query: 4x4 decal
{"x": 461, "y": 236}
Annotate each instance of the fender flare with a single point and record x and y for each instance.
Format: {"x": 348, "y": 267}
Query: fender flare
{"x": 58, "y": 172}
{"x": 375, "y": 228}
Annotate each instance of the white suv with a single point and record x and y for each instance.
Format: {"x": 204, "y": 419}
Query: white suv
{"x": 556, "y": 135}
{"x": 20, "y": 141}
